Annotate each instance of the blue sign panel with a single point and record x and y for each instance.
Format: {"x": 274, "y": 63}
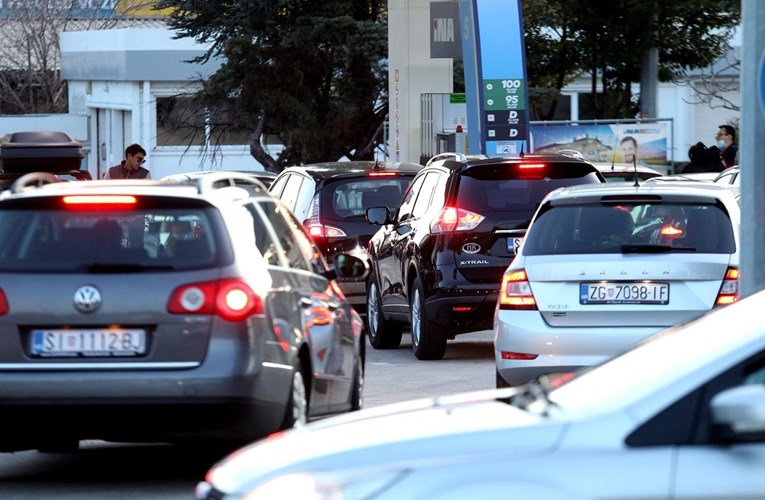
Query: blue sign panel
{"x": 495, "y": 76}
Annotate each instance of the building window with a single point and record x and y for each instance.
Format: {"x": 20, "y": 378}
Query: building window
{"x": 181, "y": 122}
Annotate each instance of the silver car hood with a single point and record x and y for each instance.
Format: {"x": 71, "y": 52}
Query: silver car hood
{"x": 467, "y": 428}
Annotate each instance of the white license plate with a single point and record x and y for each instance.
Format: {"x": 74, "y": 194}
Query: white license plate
{"x": 95, "y": 342}
{"x": 624, "y": 293}
{"x": 513, "y": 244}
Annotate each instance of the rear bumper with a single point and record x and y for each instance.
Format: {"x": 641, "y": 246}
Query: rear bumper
{"x": 141, "y": 405}
{"x": 557, "y": 349}
{"x": 464, "y": 310}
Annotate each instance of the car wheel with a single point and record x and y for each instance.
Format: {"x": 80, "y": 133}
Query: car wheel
{"x": 357, "y": 392}
{"x": 383, "y": 334}
{"x": 297, "y": 406}
{"x": 501, "y": 383}
{"x": 428, "y": 340}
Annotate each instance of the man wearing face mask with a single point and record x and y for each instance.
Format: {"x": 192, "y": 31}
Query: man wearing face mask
{"x": 726, "y": 141}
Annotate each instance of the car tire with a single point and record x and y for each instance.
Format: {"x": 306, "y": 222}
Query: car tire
{"x": 357, "y": 390}
{"x": 428, "y": 337}
{"x": 296, "y": 413}
{"x": 501, "y": 383}
{"x": 383, "y": 334}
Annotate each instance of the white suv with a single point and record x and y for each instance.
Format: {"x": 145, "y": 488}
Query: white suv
{"x": 605, "y": 266}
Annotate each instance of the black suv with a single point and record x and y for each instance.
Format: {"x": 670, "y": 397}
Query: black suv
{"x": 438, "y": 258}
{"x": 331, "y": 199}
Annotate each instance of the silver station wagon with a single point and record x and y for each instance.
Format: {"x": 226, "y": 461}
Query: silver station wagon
{"x": 151, "y": 311}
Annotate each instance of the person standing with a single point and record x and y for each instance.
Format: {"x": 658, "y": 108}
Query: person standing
{"x": 726, "y": 141}
{"x": 130, "y": 167}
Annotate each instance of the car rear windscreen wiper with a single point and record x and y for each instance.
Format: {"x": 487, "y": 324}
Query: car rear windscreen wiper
{"x": 647, "y": 248}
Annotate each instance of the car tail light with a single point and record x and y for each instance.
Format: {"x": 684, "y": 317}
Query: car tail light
{"x": 532, "y": 170}
{"x": 231, "y": 299}
{"x": 382, "y": 174}
{"x": 99, "y": 202}
{"x": 455, "y": 219}
{"x": 516, "y": 292}
{"x": 728, "y": 293}
{"x": 315, "y": 228}
{"x": 3, "y": 303}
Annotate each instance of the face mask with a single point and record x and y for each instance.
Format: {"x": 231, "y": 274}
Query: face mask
{"x": 721, "y": 144}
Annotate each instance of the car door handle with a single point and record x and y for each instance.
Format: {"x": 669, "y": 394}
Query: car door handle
{"x": 306, "y": 302}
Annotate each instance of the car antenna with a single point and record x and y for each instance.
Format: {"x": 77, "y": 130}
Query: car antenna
{"x": 613, "y": 153}
{"x": 634, "y": 167}
{"x": 522, "y": 155}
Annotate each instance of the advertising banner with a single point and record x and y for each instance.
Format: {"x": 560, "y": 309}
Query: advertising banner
{"x": 616, "y": 142}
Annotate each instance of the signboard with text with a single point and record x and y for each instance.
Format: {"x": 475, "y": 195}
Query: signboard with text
{"x": 495, "y": 76}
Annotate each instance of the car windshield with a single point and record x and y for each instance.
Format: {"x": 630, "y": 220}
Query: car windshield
{"x": 351, "y": 198}
{"x": 41, "y": 240}
{"x": 630, "y": 228}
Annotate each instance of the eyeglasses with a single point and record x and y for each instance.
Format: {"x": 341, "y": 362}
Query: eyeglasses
{"x": 721, "y": 134}
{"x": 140, "y": 159}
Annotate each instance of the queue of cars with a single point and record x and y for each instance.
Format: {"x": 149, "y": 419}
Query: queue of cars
{"x": 205, "y": 304}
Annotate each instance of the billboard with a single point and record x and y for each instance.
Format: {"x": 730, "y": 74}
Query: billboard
{"x": 601, "y": 142}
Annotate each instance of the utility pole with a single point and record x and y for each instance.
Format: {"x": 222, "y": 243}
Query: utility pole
{"x": 752, "y": 147}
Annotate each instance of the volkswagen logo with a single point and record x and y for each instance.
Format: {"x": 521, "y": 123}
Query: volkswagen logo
{"x": 87, "y": 299}
{"x": 471, "y": 248}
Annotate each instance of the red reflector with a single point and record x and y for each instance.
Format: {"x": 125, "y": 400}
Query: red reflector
{"x": 461, "y": 309}
{"x": 518, "y": 355}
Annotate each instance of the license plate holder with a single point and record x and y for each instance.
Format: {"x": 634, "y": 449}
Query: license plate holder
{"x": 90, "y": 342}
{"x": 634, "y": 293}
{"x": 513, "y": 243}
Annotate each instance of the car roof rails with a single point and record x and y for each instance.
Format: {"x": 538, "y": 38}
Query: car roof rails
{"x": 442, "y": 157}
{"x": 207, "y": 182}
{"x": 571, "y": 153}
{"x": 33, "y": 180}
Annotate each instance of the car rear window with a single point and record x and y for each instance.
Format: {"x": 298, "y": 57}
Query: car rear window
{"x": 630, "y": 228}
{"x": 351, "y": 198}
{"x": 106, "y": 240}
{"x": 512, "y": 187}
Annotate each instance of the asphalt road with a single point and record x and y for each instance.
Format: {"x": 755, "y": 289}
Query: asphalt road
{"x": 108, "y": 471}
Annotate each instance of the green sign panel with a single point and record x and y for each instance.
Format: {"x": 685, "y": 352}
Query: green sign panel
{"x": 504, "y": 94}
{"x": 457, "y": 98}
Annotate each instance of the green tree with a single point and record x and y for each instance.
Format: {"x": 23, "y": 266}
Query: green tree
{"x": 310, "y": 75}
{"x": 607, "y": 40}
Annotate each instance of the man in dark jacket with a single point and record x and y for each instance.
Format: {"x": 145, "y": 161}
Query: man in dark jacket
{"x": 726, "y": 141}
{"x": 130, "y": 168}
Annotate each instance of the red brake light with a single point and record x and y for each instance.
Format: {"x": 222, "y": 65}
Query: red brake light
{"x": 3, "y": 303}
{"x": 525, "y": 166}
{"x": 671, "y": 231}
{"x": 381, "y": 174}
{"x": 455, "y": 219}
{"x": 231, "y": 299}
{"x": 99, "y": 202}
{"x": 516, "y": 292}
{"x": 728, "y": 293}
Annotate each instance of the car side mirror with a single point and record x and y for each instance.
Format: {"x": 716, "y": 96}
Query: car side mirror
{"x": 350, "y": 266}
{"x": 738, "y": 413}
{"x": 379, "y": 216}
